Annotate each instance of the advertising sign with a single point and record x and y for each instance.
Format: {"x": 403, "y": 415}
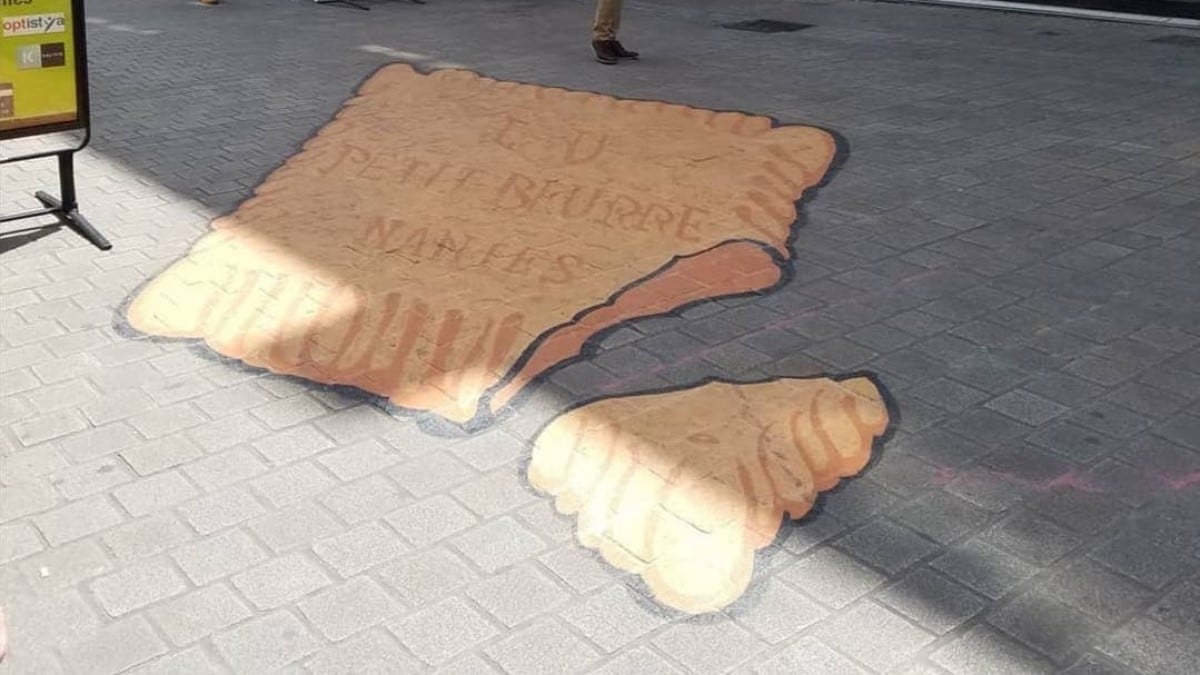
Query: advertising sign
{"x": 42, "y": 67}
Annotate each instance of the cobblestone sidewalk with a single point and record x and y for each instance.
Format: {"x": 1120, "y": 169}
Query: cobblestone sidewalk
{"x": 1011, "y": 244}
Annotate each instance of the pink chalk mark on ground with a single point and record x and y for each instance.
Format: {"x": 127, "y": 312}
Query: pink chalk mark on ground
{"x": 1183, "y": 482}
{"x": 1071, "y": 480}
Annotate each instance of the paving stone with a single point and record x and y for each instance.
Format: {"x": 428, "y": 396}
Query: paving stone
{"x": 489, "y": 450}
{"x": 495, "y": 493}
{"x": 933, "y": 601}
{"x": 1092, "y": 664}
{"x": 232, "y": 400}
{"x": 941, "y": 516}
{"x": 518, "y": 594}
{"x": 1149, "y": 646}
{"x": 1179, "y": 610}
{"x": 367, "y": 499}
{"x": 349, "y": 608}
{"x": 580, "y": 568}
{"x": 427, "y": 576}
{"x": 290, "y": 411}
{"x": 166, "y": 421}
{"x": 887, "y": 546}
{"x": 544, "y": 647}
{"x": 293, "y": 483}
{"x": 354, "y": 424}
{"x": 856, "y": 501}
{"x": 18, "y": 541}
{"x": 1105, "y": 596}
{"x": 1073, "y": 442}
{"x": 225, "y": 468}
{"x": 1047, "y": 625}
{"x": 1101, "y": 371}
{"x": 984, "y": 568}
{"x": 161, "y": 454}
{"x": 48, "y": 427}
{"x": 71, "y": 394}
{"x": 614, "y": 618}
{"x": 497, "y": 544}
{"x": 832, "y": 577}
{"x": 1083, "y": 511}
{"x": 77, "y": 520}
{"x": 23, "y": 499}
{"x": 293, "y": 444}
{"x": 441, "y": 632}
{"x": 114, "y": 648}
{"x": 775, "y": 612}
{"x": 218, "y": 556}
{"x": 1147, "y": 400}
{"x": 986, "y": 651}
{"x": 65, "y": 566}
{"x": 360, "y": 549}
{"x": 117, "y": 406}
{"x": 874, "y": 635}
{"x": 1033, "y": 539}
{"x": 155, "y": 493}
{"x": 280, "y": 581}
{"x": 360, "y": 459}
{"x": 733, "y": 357}
{"x": 948, "y": 394}
{"x": 146, "y": 537}
{"x": 294, "y": 526}
{"x": 138, "y": 585}
{"x": 808, "y": 656}
{"x": 266, "y": 643}
{"x": 708, "y": 648}
{"x": 28, "y": 466}
{"x": 800, "y": 537}
{"x": 170, "y": 390}
{"x": 1025, "y": 407}
{"x": 642, "y": 660}
{"x": 199, "y": 614}
{"x": 431, "y": 520}
{"x": 230, "y": 431}
{"x": 88, "y": 479}
{"x": 431, "y": 474}
{"x": 840, "y": 354}
{"x": 188, "y": 662}
{"x": 544, "y": 519}
{"x": 371, "y": 652}
{"x": 470, "y": 664}
{"x": 1183, "y": 429}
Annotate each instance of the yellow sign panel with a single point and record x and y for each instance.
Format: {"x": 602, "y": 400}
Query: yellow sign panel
{"x": 38, "y": 88}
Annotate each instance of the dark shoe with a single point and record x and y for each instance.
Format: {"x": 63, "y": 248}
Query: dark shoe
{"x": 623, "y": 53}
{"x": 605, "y": 53}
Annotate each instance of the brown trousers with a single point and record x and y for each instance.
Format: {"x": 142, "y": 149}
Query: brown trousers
{"x": 608, "y": 20}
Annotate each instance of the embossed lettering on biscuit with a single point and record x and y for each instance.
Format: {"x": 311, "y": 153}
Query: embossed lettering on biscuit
{"x": 447, "y": 238}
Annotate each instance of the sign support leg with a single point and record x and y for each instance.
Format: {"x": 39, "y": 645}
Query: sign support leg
{"x": 65, "y": 207}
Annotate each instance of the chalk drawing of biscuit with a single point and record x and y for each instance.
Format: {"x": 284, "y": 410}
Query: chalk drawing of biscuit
{"x": 683, "y": 487}
{"x": 448, "y": 238}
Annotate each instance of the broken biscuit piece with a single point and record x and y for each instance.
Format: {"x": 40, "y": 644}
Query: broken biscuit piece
{"x": 448, "y": 238}
{"x": 683, "y": 487}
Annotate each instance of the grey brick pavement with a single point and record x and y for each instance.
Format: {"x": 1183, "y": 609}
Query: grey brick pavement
{"x": 1012, "y": 243}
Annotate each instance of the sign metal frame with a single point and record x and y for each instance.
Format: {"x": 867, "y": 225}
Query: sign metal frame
{"x": 66, "y": 206}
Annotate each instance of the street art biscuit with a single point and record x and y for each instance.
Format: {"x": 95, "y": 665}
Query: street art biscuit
{"x": 447, "y": 238}
{"x": 683, "y": 487}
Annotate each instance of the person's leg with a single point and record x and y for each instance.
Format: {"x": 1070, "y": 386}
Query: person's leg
{"x": 604, "y": 30}
{"x": 608, "y": 20}
{"x": 604, "y": 33}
